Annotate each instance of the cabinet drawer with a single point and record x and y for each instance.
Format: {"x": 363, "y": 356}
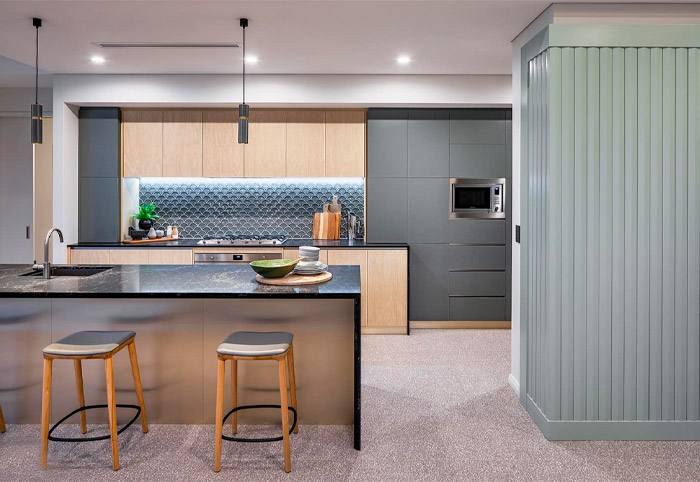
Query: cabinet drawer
{"x": 477, "y": 283}
{"x": 89, "y": 256}
{"x": 128, "y": 256}
{"x": 477, "y": 231}
{"x": 477, "y": 309}
{"x": 485, "y": 258}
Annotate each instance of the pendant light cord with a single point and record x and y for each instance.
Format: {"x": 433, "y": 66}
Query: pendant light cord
{"x": 244, "y": 65}
{"x": 36, "y": 77}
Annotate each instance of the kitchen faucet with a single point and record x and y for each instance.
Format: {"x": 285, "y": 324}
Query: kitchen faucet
{"x": 47, "y": 263}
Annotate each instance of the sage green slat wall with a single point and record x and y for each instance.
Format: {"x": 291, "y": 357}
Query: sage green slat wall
{"x": 614, "y": 233}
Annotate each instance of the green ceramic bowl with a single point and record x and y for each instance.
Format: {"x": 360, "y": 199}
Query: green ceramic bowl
{"x": 273, "y": 268}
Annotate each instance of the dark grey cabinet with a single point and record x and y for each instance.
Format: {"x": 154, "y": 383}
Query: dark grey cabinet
{"x": 387, "y": 143}
{"x": 99, "y": 154}
{"x": 429, "y": 298}
{"x": 428, "y": 143}
{"x": 459, "y": 269}
{"x": 387, "y": 210}
{"x": 428, "y": 210}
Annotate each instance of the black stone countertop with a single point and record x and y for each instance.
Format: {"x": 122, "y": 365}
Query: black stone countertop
{"x": 289, "y": 243}
{"x": 184, "y": 281}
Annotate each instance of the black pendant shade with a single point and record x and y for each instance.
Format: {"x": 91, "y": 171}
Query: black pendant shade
{"x": 243, "y": 109}
{"x": 37, "y": 108}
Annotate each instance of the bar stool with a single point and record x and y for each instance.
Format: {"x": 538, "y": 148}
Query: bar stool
{"x": 246, "y": 345}
{"x": 88, "y": 345}
{"x": 2, "y": 422}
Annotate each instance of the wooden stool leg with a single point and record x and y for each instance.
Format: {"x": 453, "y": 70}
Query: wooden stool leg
{"x": 45, "y": 411}
{"x": 112, "y": 409}
{"x": 81, "y": 394}
{"x": 292, "y": 382}
{"x": 2, "y": 422}
{"x": 137, "y": 384}
{"x": 220, "y": 375}
{"x": 234, "y": 394}
{"x": 285, "y": 413}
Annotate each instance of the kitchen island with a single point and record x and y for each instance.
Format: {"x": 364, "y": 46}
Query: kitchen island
{"x": 180, "y": 315}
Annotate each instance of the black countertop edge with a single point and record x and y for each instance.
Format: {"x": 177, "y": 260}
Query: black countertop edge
{"x": 289, "y": 243}
{"x": 315, "y": 296}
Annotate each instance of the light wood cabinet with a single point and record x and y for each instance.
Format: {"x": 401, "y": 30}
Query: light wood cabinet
{"x": 128, "y": 256}
{"x": 387, "y": 288}
{"x": 353, "y": 257}
{"x": 222, "y": 155}
{"x": 306, "y": 143}
{"x": 182, "y": 143}
{"x": 169, "y": 256}
{"x": 265, "y": 153}
{"x": 89, "y": 256}
{"x": 142, "y": 143}
{"x": 345, "y": 143}
{"x": 293, "y": 253}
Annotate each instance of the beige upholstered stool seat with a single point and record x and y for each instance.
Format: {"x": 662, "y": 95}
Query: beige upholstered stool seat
{"x": 84, "y": 343}
{"x": 255, "y": 343}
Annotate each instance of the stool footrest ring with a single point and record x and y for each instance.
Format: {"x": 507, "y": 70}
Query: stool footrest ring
{"x": 256, "y": 440}
{"x": 92, "y": 439}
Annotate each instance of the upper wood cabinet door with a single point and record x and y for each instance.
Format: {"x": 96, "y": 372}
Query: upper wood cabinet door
{"x": 387, "y": 287}
{"x": 222, "y": 155}
{"x": 143, "y": 143}
{"x": 182, "y": 143}
{"x": 345, "y": 143}
{"x": 265, "y": 153}
{"x": 306, "y": 143}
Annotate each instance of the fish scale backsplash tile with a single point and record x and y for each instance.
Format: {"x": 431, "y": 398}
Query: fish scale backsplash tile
{"x": 206, "y": 207}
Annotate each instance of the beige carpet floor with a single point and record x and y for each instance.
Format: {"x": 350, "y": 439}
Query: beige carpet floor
{"x": 436, "y": 407}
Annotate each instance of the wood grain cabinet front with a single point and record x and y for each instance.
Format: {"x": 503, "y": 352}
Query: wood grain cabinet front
{"x": 182, "y": 143}
{"x": 353, "y": 257}
{"x": 306, "y": 143}
{"x": 387, "y": 288}
{"x": 142, "y": 143}
{"x": 265, "y": 153}
{"x": 345, "y": 143}
{"x": 222, "y": 155}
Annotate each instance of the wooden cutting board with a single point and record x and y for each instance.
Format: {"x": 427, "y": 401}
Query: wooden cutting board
{"x": 295, "y": 279}
{"x": 145, "y": 241}
{"x": 326, "y": 226}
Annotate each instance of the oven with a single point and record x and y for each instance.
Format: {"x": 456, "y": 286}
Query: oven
{"x": 232, "y": 258}
{"x": 477, "y": 198}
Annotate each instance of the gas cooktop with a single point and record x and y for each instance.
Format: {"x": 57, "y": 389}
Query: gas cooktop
{"x": 243, "y": 239}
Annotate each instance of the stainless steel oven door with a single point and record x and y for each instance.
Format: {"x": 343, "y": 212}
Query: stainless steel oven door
{"x": 232, "y": 258}
{"x": 483, "y": 198}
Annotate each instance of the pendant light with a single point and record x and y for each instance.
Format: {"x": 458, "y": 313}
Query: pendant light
{"x": 243, "y": 109}
{"x": 37, "y": 108}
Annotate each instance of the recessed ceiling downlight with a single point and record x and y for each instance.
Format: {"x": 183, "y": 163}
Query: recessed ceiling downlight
{"x": 96, "y": 59}
{"x": 403, "y": 60}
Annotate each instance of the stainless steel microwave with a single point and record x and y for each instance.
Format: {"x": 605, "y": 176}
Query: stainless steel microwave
{"x": 477, "y": 198}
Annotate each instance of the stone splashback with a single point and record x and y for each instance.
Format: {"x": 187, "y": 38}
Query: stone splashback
{"x": 206, "y": 206}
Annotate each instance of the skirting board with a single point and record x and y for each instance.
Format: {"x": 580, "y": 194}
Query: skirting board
{"x": 612, "y": 429}
{"x": 481, "y": 325}
{"x": 514, "y": 384}
{"x": 384, "y": 330}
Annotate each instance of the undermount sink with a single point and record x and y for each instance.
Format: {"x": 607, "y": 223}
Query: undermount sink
{"x": 58, "y": 271}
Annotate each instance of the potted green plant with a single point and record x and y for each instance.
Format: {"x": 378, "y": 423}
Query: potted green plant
{"x": 146, "y": 216}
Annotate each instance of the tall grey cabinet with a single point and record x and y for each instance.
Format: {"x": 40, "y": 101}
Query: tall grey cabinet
{"x": 459, "y": 269}
{"x": 611, "y": 232}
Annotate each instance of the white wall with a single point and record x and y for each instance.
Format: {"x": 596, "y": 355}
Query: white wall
{"x": 71, "y": 91}
{"x": 570, "y": 13}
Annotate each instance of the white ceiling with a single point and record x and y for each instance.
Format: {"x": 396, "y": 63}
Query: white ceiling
{"x": 291, "y": 36}
{"x": 330, "y": 37}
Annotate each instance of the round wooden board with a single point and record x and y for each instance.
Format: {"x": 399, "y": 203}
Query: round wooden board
{"x": 295, "y": 279}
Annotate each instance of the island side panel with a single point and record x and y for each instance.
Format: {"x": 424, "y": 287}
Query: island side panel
{"x": 25, "y": 329}
{"x": 324, "y": 353}
{"x": 169, "y": 350}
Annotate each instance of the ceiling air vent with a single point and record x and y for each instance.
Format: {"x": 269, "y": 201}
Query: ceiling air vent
{"x": 168, "y": 45}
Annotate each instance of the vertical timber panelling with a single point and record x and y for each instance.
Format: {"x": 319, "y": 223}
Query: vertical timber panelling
{"x": 693, "y": 393}
{"x": 669, "y": 234}
{"x": 605, "y": 283}
{"x": 681, "y": 237}
{"x": 643, "y": 172}
{"x": 613, "y": 235}
{"x": 655, "y": 234}
{"x": 630, "y": 223}
{"x": 567, "y": 221}
{"x": 592, "y": 230}
{"x": 580, "y": 238}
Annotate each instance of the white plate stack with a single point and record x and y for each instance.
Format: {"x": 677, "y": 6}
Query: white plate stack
{"x": 310, "y": 265}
